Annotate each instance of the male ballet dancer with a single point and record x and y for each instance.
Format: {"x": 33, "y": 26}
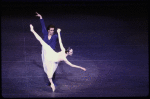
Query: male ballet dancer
{"x": 49, "y": 38}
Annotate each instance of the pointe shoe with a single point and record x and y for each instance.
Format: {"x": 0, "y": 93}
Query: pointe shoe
{"x": 53, "y": 87}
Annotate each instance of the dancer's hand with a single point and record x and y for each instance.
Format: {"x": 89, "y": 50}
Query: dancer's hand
{"x": 83, "y": 68}
{"x": 38, "y": 15}
{"x": 58, "y": 30}
{"x": 31, "y": 28}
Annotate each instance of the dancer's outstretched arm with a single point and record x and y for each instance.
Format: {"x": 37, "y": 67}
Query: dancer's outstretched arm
{"x": 44, "y": 30}
{"x": 60, "y": 41}
{"x": 72, "y": 65}
{"x": 36, "y": 35}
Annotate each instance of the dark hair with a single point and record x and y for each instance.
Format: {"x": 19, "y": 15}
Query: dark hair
{"x": 50, "y": 26}
{"x": 67, "y": 50}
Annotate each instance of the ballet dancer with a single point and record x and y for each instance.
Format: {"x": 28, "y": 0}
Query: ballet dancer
{"x": 52, "y": 58}
{"x": 49, "y": 38}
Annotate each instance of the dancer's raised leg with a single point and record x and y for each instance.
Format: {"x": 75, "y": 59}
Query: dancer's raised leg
{"x": 37, "y": 36}
{"x": 46, "y": 47}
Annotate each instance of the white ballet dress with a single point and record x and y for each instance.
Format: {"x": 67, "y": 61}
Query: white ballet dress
{"x": 49, "y": 59}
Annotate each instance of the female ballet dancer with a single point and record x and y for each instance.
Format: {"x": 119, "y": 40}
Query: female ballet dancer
{"x": 52, "y": 58}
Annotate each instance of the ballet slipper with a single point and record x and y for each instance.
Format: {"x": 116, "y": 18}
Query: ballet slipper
{"x": 53, "y": 87}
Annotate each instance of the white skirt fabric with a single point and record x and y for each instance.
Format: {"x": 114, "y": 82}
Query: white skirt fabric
{"x": 49, "y": 65}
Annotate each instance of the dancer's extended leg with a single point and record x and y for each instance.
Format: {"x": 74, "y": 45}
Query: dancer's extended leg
{"x": 39, "y": 39}
{"x": 45, "y": 45}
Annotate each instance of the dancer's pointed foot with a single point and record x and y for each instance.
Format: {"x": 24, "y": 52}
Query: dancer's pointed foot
{"x": 53, "y": 87}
